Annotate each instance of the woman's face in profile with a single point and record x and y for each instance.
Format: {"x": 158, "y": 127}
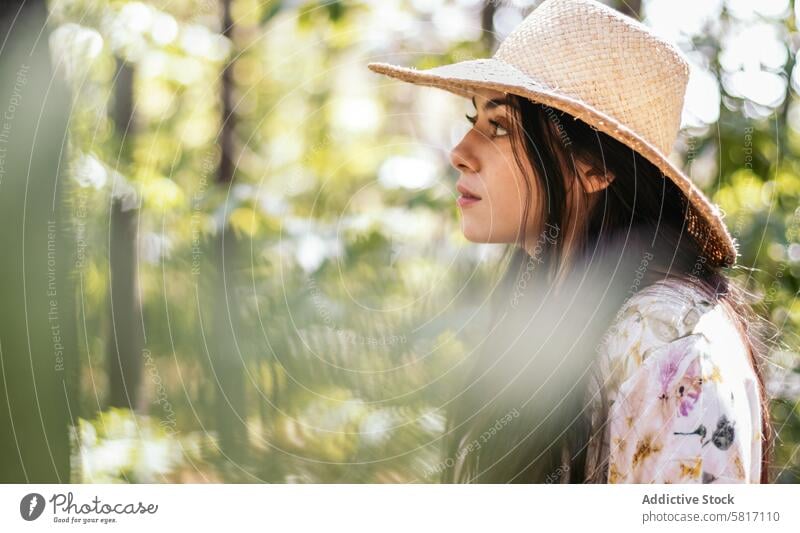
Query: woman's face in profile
{"x": 491, "y": 187}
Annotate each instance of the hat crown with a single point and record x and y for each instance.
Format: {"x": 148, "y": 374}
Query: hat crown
{"x": 589, "y": 51}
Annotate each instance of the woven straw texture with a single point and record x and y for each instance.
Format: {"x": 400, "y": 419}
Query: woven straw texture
{"x": 604, "y": 68}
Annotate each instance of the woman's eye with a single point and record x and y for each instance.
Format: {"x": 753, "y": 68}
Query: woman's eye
{"x": 499, "y": 131}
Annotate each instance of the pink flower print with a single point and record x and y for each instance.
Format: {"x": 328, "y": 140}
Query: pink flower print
{"x": 689, "y": 388}
{"x": 669, "y": 365}
{"x": 685, "y": 387}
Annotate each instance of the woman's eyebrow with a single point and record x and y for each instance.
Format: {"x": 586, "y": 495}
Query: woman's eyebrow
{"x": 491, "y": 104}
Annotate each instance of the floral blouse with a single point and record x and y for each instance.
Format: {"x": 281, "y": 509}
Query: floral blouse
{"x": 683, "y": 400}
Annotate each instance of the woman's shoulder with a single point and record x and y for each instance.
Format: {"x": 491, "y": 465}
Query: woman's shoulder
{"x": 664, "y": 313}
{"x": 679, "y": 374}
{"x": 667, "y": 310}
{"x": 675, "y": 303}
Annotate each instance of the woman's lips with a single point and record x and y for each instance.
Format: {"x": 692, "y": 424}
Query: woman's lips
{"x": 465, "y": 201}
{"x": 467, "y": 196}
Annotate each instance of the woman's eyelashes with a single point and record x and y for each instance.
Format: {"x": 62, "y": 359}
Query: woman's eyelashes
{"x": 498, "y": 129}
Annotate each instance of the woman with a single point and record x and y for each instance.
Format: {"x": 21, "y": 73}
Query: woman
{"x": 567, "y": 163}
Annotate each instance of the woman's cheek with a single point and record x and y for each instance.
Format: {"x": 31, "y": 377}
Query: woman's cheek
{"x": 506, "y": 212}
{"x": 489, "y": 226}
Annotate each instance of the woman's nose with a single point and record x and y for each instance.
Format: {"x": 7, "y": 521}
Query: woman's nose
{"x": 462, "y": 157}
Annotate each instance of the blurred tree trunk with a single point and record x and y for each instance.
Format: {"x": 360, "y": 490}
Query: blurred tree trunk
{"x": 38, "y": 341}
{"x": 226, "y": 360}
{"x": 226, "y": 167}
{"x": 487, "y": 25}
{"x": 632, "y": 8}
{"x": 125, "y": 341}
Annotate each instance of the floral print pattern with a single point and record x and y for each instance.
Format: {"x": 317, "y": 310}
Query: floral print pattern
{"x": 683, "y": 400}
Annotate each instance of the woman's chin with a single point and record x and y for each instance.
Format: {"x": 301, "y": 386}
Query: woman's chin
{"x": 478, "y": 237}
{"x": 480, "y": 230}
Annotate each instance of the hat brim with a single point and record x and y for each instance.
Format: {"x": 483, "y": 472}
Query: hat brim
{"x": 464, "y": 77}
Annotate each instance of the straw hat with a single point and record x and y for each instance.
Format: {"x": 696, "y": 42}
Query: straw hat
{"x": 604, "y": 68}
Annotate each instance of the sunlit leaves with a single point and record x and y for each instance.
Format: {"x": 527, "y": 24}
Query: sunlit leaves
{"x": 158, "y": 192}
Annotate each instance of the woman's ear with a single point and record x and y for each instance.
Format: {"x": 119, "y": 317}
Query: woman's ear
{"x": 593, "y": 179}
